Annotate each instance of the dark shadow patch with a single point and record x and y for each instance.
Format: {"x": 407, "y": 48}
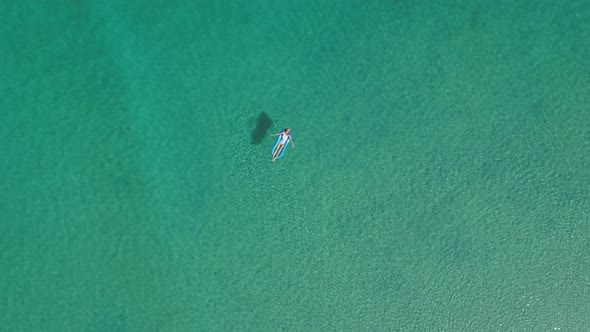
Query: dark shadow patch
{"x": 263, "y": 124}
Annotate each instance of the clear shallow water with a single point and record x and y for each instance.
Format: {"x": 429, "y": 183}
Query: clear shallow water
{"x": 439, "y": 181}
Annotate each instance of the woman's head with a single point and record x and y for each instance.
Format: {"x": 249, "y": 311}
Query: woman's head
{"x": 287, "y": 130}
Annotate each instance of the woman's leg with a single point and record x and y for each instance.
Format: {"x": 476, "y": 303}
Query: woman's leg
{"x": 277, "y": 151}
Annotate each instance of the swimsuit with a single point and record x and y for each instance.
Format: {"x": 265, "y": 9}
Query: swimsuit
{"x": 284, "y": 138}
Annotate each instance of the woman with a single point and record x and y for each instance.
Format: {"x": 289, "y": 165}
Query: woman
{"x": 284, "y": 138}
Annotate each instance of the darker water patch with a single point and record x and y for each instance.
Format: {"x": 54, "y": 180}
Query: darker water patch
{"x": 477, "y": 19}
{"x": 263, "y": 124}
{"x": 109, "y": 319}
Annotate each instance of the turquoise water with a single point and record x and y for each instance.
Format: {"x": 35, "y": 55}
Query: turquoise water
{"x": 439, "y": 182}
